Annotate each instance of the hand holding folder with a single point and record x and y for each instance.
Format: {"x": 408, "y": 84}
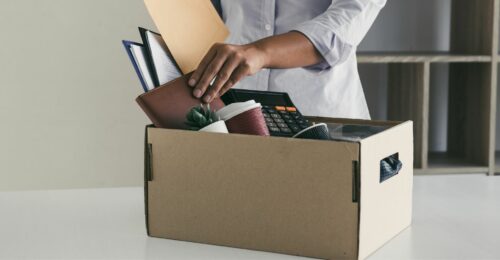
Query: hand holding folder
{"x": 189, "y": 28}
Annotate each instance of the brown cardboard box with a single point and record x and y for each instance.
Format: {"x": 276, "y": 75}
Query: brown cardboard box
{"x": 319, "y": 199}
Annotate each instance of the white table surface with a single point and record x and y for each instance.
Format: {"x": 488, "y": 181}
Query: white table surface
{"x": 455, "y": 217}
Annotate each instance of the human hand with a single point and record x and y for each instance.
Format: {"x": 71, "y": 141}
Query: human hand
{"x": 228, "y": 64}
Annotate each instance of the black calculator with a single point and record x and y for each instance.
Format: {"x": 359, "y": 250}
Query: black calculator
{"x": 282, "y": 117}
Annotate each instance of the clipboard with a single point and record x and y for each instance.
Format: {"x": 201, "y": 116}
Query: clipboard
{"x": 162, "y": 65}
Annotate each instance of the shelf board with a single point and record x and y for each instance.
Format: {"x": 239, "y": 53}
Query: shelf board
{"x": 443, "y": 163}
{"x": 497, "y": 162}
{"x": 451, "y": 170}
{"x": 415, "y": 57}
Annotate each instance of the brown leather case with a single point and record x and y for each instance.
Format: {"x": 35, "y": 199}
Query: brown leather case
{"x": 168, "y": 104}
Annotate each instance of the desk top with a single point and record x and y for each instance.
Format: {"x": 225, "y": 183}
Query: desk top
{"x": 454, "y": 217}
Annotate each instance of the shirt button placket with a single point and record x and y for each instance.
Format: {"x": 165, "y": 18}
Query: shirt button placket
{"x": 269, "y": 17}
{"x": 268, "y": 14}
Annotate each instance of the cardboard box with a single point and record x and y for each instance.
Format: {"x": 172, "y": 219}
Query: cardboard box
{"x": 321, "y": 199}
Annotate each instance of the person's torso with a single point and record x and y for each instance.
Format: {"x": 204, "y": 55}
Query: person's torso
{"x": 335, "y": 92}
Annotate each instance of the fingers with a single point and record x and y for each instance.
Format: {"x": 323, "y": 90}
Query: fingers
{"x": 222, "y": 78}
{"x": 236, "y": 77}
{"x": 202, "y": 67}
{"x": 209, "y": 74}
{"x": 222, "y": 67}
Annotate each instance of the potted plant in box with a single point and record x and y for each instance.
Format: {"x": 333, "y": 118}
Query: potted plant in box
{"x": 202, "y": 118}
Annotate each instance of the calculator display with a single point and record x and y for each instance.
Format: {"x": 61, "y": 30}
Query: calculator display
{"x": 282, "y": 117}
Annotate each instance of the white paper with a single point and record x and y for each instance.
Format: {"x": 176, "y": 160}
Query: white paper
{"x": 139, "y": 54}
{"x": 165, "y": 67}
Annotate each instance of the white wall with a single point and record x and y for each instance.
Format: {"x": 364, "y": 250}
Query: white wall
{"x": 67, "y": 110}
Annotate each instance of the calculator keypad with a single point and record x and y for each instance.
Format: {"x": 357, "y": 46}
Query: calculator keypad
{"x": 284, "y": 121}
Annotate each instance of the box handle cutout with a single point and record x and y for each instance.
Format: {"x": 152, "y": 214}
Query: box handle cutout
{"x": 355, "y": 181}
{"x": 149, "y": 162}
{"x": 390, "y": 167}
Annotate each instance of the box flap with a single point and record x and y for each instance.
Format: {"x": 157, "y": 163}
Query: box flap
{"x": 272, "y": 194}
{"x": 385, "y": 207}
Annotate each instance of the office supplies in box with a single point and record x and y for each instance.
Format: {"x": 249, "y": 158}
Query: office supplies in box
{"x": 168, "y": 104}
{"x": 321, "y": 199}
{"x": 281, "y": 115}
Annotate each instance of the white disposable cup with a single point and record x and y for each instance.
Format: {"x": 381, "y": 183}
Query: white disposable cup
{"x": 217, "y": 127}
{"x": 235, "y": 109}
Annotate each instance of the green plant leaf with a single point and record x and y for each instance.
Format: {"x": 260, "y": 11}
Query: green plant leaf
{"x": 201, "y": 116}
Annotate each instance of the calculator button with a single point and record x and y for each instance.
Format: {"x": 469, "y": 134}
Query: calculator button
{"x": 275, "y": 116}
{"x": 266, "y": 115}
{"x": 266, "y": 106}
{"x": 304, "y": 126}
{"x": 280, "y": 108}
{"x": 301, "y": 121}
{"x": 291, "y": 109}
{"x": 272, "y": 125}
{"x": 269, "y": 120}
{"x": 282, "y": 125}
{"x": 295, "y": 128}
{"x": 286, "y": 130}
{"x": 286, "y": 117}
{"x": 279, "y": 120}
{"x": 274, "y": 129}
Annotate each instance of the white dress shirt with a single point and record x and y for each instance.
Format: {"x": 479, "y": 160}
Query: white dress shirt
{"x": 330, "y": 89}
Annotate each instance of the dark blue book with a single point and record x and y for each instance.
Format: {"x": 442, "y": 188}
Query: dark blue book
{"x": 142, "y": 71}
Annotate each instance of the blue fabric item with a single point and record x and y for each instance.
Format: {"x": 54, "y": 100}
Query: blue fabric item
{"x": 389, "y": 167}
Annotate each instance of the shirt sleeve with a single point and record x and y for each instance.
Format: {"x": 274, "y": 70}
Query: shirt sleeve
{"x": 338, "y": 31}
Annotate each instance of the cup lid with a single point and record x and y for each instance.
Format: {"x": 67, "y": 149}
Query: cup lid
{"x": 235, "y": 109}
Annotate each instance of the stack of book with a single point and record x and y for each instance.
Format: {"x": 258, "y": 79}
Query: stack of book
{"x": 152, "y": 60}
{"x": 187, "y": 30}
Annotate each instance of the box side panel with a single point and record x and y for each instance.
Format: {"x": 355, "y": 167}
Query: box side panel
{"x": 272, "y": 194}
{"x": 385, "y": 207}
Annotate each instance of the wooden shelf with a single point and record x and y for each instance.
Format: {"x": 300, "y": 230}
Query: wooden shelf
{"x": 497, "y": 162}
{"x": 437, "y": 57}
{"x": 444, "y": 163}
{"x": 472, "y": 101}
{"x": 446, "y": 160}
{"x": 451, "y": 170}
